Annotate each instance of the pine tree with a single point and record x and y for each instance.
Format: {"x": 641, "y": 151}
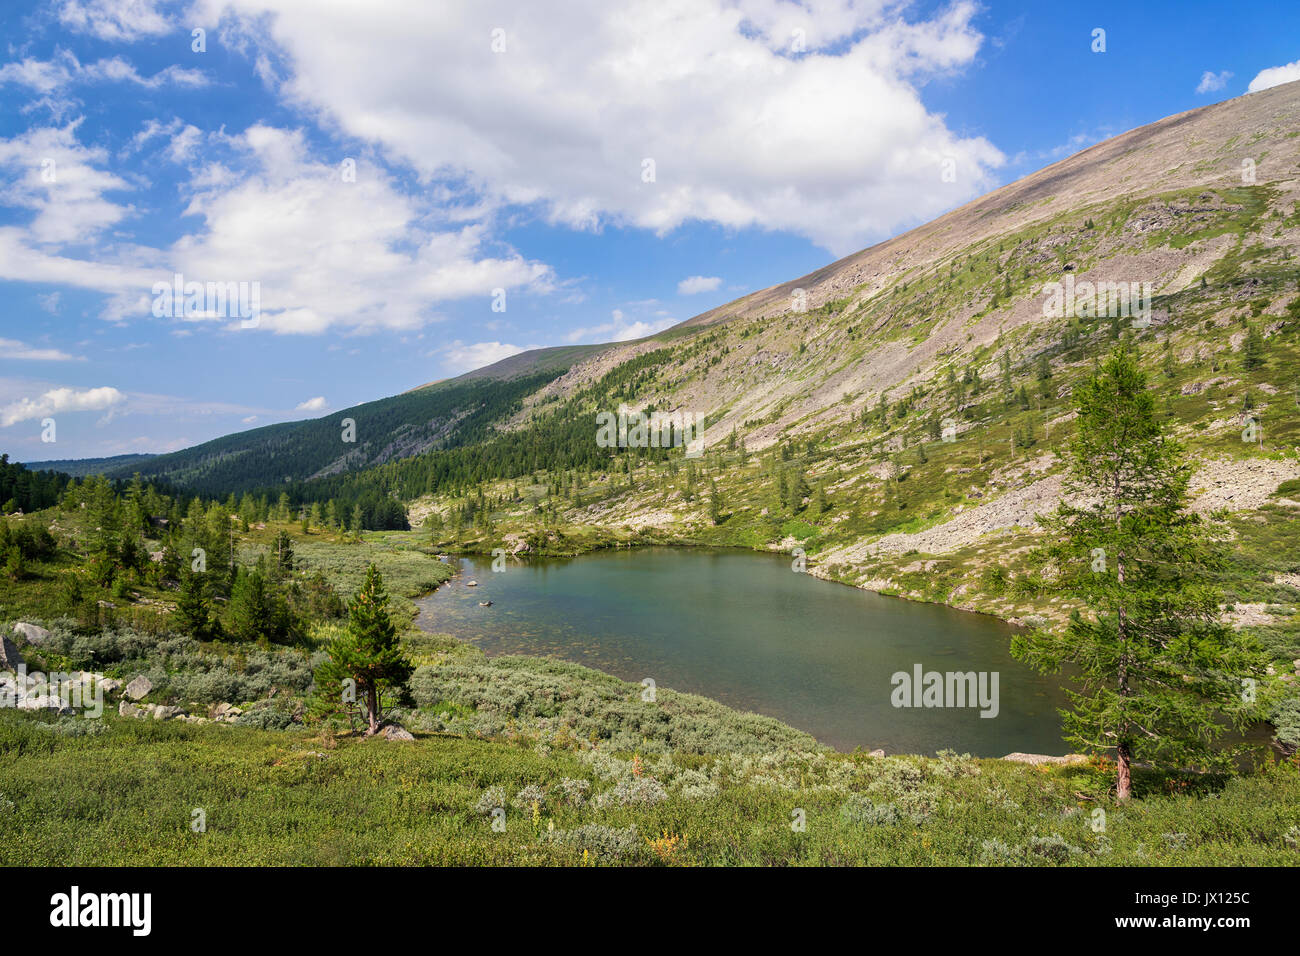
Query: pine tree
{"x": 284, "y": 552}
{"x": 367, "y": 654}
{"x": 715, "y": 504}
{"x": 1158, "y": 673}
{"x": 1252, "y": 349}
{"x": 193, "y": 609}
{"x": 798, "y": 490}
{"x": 250, "y": 613}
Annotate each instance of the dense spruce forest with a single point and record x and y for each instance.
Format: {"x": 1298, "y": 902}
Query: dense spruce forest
{"x": 22, "y": 489}
{"x": 444, "y": 415}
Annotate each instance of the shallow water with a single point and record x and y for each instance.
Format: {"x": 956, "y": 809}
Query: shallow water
{"x": 744, "y": 629}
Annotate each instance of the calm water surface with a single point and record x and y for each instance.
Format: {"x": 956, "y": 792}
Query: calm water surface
{"x": 744, "y": 629}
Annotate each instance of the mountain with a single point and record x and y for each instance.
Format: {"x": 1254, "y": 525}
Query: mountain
{"x": 442, "y": 414}
{"x": 854, "y": 365}
{"x": 81, "y": 467}
{"x": 898, "y": 415}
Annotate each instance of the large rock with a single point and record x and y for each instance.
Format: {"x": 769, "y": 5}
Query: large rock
{"x": 138, "y": 688}
{"x": 394, "y": 732}
{"x": 1035, "y": 759}
{"x": 45, "y": 702}
{"x": 147, "y": 711}
{"x": 35, "y": 636}
{"x": 224, "y": 712}
{"x": 10, "y": 659}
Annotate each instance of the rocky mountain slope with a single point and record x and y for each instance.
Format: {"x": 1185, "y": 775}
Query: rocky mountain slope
{"x": 916, "y": 393}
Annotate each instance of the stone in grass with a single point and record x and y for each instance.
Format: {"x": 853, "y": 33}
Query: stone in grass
{"x": 394, "y": 732}
{"x": 224, "y": 712}
{"x": 147, "y": 711}
{"x": 35, "y": 636}
{"x": 139, "y": 687}
{"x": 1036, "y": 759}
{"x": 46, "y": 702}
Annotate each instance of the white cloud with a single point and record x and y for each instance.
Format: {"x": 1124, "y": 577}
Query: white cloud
{"x": 325, "y": 252}
{"x": 181, "y": 141}
{"x": 60, "y": 180}
{"x": 50, "y": 303}
{"x": 13, "y": 349}
{"x": 1212, "y": 82}
{"x": 316, "y": 404}
{"x": 459, "y": 357}
{"x": 64, "y": 69}
{"x": 693, "y": 285}
{"x": 119, "y": 20}
{"x": 1275, "y": 76}
{"x": 332, "y": 253}
{"x": 622, "y": 329}
{"x": 834, "y": 143}
{"x": 58, "y": 400}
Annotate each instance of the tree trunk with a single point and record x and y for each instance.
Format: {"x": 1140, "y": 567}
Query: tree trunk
{"x": 1123, "y": 752}
{"x": 1124, "y": 786}
{"x": 372, "y": 711}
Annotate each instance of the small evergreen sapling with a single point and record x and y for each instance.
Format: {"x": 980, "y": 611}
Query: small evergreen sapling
{"x": 367, "y": 654}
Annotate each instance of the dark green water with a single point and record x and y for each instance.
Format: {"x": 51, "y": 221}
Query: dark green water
{"x": 746, "y": 630}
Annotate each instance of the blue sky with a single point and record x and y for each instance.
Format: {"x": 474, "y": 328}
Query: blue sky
{"x": 374, "y": 173}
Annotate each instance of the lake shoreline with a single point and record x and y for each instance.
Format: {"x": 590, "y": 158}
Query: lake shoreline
{"x": 838, "y": 721}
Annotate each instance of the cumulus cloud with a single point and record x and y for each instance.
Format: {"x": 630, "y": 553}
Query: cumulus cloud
{"x": 1275, "y": 76}
{"x": 58, "y": 400}
{"x": 621, "y": 328}
{"x": 325, "y": 250}
{"x": 1212, "y": 82}
{"x": 747, "y": 122}
{"x": 331, "y": 250}
{"x": 693, "y": 285}
{"x": 64, "y": 184}
{"x": 13, "y": 349}
{"x": 316, "y": 404}
{"x": 459, "y": 357}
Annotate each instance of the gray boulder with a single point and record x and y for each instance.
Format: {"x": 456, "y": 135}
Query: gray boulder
{"x": 148, "y": 711}
{"x": 394, "y": 732}
{"x": 224, "y": 712}
{"x": 45, "y": 702}
{"x": 138, "y": 688}
{"x": 35, "y": 636}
